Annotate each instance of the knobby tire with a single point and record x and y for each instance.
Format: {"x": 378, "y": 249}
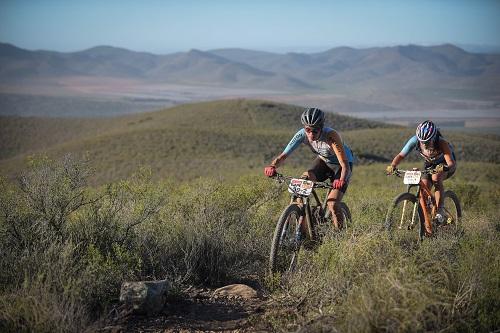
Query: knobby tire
{"x": 451, "y": 198}
{"x": 393, "y": 219}
{"x": 284, "y": 247}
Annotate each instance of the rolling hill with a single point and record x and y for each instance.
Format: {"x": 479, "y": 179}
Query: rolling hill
{"x": 390, "y": 67}
{"x": 104, "y": 61}
{"x": 206, "y": 227}
{"x": 387, "y": 66}
{"x": 221, "y": 138}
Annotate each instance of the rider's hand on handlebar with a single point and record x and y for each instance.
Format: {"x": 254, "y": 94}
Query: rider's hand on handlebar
{"x": 390, "y": 170}
{"x": 270, "y": 170}
{"x": 440, "y": 168}
{"x": 338, "y": 184}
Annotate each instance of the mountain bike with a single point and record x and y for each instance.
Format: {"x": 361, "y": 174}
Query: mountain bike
{"x": 303, "y": 223}
{"x": 405, "y": 213}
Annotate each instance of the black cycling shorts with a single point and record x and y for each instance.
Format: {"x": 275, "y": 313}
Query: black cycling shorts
{"x": 323, "y": 171}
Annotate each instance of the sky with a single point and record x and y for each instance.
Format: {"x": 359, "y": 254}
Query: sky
{"x": 166, "y": 26}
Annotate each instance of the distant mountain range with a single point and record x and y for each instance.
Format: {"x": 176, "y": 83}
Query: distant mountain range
{"x": 411, "y": 66}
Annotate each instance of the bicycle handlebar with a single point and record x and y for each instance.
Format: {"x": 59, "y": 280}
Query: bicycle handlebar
{"x": 282, "y": 178}
{"x": 399, "y": 172}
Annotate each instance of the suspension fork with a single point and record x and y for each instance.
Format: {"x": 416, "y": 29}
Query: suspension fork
{"x": 414, "y": 209}
{"x": 304, "y": 226}
{"x": 308, "y": 217}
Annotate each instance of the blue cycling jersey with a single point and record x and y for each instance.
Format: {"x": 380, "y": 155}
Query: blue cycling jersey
{"x": 409, "y": 146}
{"x": 320, "y": 147}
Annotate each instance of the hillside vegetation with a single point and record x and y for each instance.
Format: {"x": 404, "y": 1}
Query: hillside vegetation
{"x": 179, "y": 194}
{"x": 221, "y": 139}
{"x": 67, "y": 247}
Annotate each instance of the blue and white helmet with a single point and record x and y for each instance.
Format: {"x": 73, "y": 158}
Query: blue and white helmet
{"x": 426, "y": 131}
{"x": 313, "y": 117}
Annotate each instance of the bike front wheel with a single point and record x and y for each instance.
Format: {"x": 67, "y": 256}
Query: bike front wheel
{"x": 404, "y": 217}
{"x": 286, "y": 241}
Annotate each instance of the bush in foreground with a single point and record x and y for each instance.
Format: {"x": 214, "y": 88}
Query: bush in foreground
{"x": 67, "y": 247}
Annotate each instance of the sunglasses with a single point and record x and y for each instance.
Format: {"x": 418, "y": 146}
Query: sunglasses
{"x": 312, "y": 130}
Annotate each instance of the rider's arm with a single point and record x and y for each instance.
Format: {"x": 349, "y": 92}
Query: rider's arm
{"x": 445, "y": 148}
{"x": 297, "y": 139}
{"x": 408, "y": 147}
{"x": 338, "y": 147}
{"x": 279, "y": 160}
{"x": 397, "y": 160}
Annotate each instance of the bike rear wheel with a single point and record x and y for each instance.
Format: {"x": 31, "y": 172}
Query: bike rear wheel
{"x": 453, "y": 211}
{"x": 285, "y": 245}
{"x": 404, "y": 217}
{"x": 346, "y": 213}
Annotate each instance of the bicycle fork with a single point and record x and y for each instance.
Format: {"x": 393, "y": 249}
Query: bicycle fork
{"x": 304, "y": 229}
{"x": 414, "y": 212}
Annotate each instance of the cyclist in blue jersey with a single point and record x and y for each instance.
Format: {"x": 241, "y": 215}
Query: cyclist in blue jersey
{"x": 334, "y": 158}
{"x": 438, "y": 154}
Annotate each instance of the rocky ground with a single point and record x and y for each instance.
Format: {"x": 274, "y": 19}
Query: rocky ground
{"x": 235, "y": 308}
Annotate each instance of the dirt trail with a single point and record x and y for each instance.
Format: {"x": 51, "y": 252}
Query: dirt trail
{"x": 196, "y": 310}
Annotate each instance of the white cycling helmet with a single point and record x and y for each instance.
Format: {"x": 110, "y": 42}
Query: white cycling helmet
{"x": 313, "y": 117}
{"x": 426, "y": 131}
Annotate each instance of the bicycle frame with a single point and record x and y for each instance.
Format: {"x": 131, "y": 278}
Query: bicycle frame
{"x": 429, "y": 195}
{"x": 305, "y": 203}
{"x": 303, "y": 223}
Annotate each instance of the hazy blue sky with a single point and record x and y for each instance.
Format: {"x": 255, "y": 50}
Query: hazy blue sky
{"x": 179, "y": 25}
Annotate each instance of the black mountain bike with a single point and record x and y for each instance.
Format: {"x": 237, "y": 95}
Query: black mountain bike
{"x": 303, "y": 223}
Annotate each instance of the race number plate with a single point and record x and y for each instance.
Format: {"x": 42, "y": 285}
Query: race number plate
{"x": 412, "y": 177}
{"x": 300, "y": 187}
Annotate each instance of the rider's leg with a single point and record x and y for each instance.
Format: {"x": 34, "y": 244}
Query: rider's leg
{"x": 437, "y": 179}
{"x": 335, "y": 197}
{"x": 333, "y": 202}
{"x": 320, "y": 171}
{"x": 423, "y": 204}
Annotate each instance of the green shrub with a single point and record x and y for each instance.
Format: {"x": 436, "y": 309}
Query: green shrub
{"x": 66, "y": 246}
{"x": 70, "y": 245}
{"x": 45, "y": 293}
{"x": 37, "y": 308}
{"x": 207, "y": 233}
